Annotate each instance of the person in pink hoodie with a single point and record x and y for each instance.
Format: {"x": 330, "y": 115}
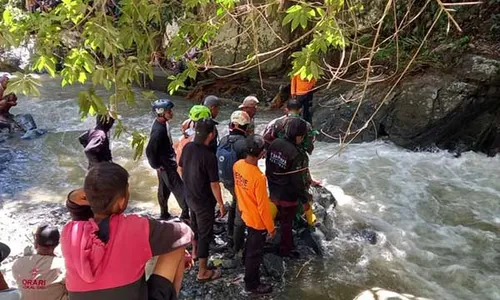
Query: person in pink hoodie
{"x": 106, "y": 255}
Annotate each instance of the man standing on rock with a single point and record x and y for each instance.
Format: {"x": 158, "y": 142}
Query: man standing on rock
{"x": 253, "y": 201}
{"x": 286, "y": 165}
{"x": 233, "y": 148}
{"x": 42, "y": 275}
{"x": 302, "y": 89}
{"x": 198, "y": 166}
{"x": 249, "y": 106}
{"x": 213, "y": 103}
{"x": 161, "y": 157}
{"x": 277, "y": 129}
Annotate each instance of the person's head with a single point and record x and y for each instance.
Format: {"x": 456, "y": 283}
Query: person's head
{"x": 295, "y": 130}
{"x": 249, "y": 105}
{"x": 256, "y": 146}
{"x": 293, "y": 106}
{"x": 163, "y": 109}
{"x": 239, "y": 121}
{"x": 11, "y": 100}
{"x": 198, "y": 112}
{"x": 4, "y": 81}
{"x": 46, "y": 239}
{"x": 205, "y": 131}
{"x": 106, "y": 188}
{"x": 104, "y": 122}
{"x": 212, "y": 102}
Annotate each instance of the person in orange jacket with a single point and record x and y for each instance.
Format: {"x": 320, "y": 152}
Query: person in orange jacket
{"x": 253, "y": 202}
{"x": 302, "y": 89}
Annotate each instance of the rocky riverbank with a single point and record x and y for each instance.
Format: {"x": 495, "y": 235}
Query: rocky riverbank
{"x": 20, "y": 217}
{"x": 455, "y": 109}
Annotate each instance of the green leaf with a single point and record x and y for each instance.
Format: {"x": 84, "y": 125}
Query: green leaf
{"x": 138, "y": 142}
{"x": 82, "y": 77}
{"x": 7, "y": 17}
{"x": 23, "y": 83}
{"x": 45, "y": 62}
{"x": 293, "y": 9}
{"x": 314, "y": 70}
{"x": 287, "y": 19}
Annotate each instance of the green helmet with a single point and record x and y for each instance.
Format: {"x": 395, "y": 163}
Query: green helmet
{"x": 199, "y": 112}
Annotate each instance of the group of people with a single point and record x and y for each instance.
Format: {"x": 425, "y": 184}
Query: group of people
{"x": 105, "y": 252}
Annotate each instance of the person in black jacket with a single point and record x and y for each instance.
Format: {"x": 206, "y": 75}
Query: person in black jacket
{"x": 237, "y": 134}
{"x": 161, "y": 157}
{"x": 96, "y": 141}
{"x": 286, "y": 167}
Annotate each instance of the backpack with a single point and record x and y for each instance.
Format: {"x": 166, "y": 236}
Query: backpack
{"x": 226, "y": 157}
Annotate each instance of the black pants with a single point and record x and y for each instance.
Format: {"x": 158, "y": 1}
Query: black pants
{"x": 306, "y": 102}
{"x": 286, "y": 217}
{"x": 169, "y": 181}
{"x": 202, "y": 224}
{"x": 253, "y": 257}
{"x": 160, "y": 288}
{"x": 235, "y": 225}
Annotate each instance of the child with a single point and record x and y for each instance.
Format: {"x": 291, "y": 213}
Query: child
{"x": 106, "y": 255}
{"x": 254, "y": 204}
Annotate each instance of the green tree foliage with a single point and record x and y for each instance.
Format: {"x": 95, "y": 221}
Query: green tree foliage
{"x": 112, "y": 46}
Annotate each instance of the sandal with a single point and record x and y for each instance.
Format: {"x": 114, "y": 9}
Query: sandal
{"x": 215, "y": 274}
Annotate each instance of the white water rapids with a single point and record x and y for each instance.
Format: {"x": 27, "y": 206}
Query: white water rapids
{"x": 437, "y": 217}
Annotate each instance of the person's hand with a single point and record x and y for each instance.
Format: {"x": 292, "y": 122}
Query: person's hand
{"x": 315, "y": 182}
{"x": 188, "y": 260}
{"x": 222, "y": 211}
{"x": 306, "y": 206}
{"x": 272, "y": 235}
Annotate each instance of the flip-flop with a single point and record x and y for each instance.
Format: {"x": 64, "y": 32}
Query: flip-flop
{"x": 216, "y": 274}
{"x": 4, "y": 251}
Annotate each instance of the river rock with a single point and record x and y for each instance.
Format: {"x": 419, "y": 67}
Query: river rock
{"x": 274, "y": 266}
{"x": 381, "y": 294}
{"x": 323, "y": 197}
{"x": 455, "y": 109}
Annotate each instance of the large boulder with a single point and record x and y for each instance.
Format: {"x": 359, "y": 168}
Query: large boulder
{"x": 456, "y": 110}
{"x": 239, "y": 38}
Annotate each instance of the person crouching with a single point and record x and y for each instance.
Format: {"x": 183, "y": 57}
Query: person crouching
{"x": 254, "y": 204}
{"x": 106, "y": 255}
{"x": 41, "y": 276}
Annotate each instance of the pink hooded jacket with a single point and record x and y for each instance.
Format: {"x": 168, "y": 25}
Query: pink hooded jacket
{"x": 93, "y": 265}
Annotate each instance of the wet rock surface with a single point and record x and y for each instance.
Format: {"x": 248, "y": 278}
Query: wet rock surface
{"x": 455, "y": 109}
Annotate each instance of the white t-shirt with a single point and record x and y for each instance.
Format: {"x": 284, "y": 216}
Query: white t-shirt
{"x": 40, "y": 277}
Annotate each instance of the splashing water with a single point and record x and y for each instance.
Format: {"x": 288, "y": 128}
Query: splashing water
{"x": 436, "y": 216}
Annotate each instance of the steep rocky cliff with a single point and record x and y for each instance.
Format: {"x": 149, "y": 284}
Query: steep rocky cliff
{"x": 456, "y": 109}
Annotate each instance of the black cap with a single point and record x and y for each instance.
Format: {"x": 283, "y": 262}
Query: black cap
{"x": 4, "y": 251}
{"x": 295, "y": 127}
{"x": 211, "y": 100}
{"x": 205, "y": 126}
{"x": 47, "y": 236}
{"x": 255, "y": 144}
{"x": 293, "y": 104}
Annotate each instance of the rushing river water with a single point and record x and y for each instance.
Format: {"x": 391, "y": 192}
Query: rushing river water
{"x": 437, "y": 217}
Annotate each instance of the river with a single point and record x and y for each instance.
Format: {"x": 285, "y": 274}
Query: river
{"x": 437, "y": 217}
